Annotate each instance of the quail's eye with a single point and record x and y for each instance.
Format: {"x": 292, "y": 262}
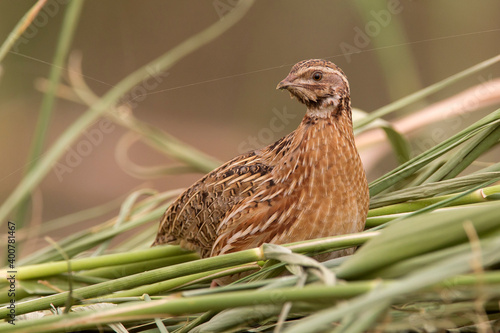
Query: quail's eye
{"x": 317, "y": 76}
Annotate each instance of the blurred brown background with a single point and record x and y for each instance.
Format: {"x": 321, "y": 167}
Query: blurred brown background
{"x": 223, "y": 95}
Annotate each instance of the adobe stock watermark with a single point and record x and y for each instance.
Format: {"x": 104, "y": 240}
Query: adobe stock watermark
{"x": 270, "y": 134}
{"x": 223, "y": 7}
{"x": 48, "y": 11}
{"x": 95, "y": 136}
{"x": 362, "y": 37}
{"x": 140, "y": 92}
{"x": 472, "y": 101}
{"x": 91, "y": 139}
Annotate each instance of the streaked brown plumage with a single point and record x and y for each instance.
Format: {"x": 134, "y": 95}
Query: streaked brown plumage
{"x": 309, "y": 184}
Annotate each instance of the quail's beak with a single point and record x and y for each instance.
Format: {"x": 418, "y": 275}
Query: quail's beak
{"x": 284, "y": 84}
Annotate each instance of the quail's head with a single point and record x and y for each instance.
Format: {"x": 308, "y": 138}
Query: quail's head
{"x": 316, "y": 83}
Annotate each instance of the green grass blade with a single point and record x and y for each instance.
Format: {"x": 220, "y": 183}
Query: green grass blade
{"x": 140, "y": 279}
{"x": 418, "y": 235}
{"x": 415, "y": 164}
{"x": 431, "y": 190}
{"x": 414, "y": 282}
{"x": 467, "y": 154}
{"x": 20, "y": 28}
{"x": 67, "y": 31}
{"x": 399, "y": 144}
{"x": 57, "y": 267}
{"x": 471, "y": 196}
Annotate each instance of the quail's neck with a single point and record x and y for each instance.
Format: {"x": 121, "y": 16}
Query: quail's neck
{"x": 335, "y": 123}
{"x": 334, "y": 106}
{"x": 322, "y": 113}
{"x": 339, "y": 113}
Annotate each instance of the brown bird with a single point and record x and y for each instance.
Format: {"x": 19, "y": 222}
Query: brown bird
{"x": 309, "y": 184}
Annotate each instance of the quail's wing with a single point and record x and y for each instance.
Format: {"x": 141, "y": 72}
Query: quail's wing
{"x": 194, "y": 217}
{"x": 258, "y": 219}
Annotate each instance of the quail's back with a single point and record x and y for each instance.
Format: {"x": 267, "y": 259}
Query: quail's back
{"x": 309, "y": 184}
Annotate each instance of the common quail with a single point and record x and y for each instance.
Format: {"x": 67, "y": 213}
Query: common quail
{"x": 309, "y": 184}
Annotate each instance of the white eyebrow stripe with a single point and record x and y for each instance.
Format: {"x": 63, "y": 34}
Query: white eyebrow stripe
{"x": 325, "y": 69}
